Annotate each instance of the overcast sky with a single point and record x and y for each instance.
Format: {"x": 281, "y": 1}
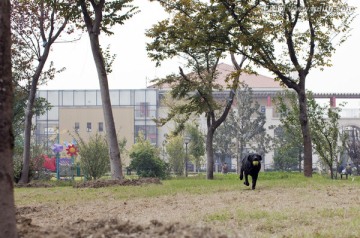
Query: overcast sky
{"x": 132, "y": 69}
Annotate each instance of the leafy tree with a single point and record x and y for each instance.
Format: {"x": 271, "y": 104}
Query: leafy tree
{"x": 196, "y": 145}
{"x": 99, "y": 16}
{"x": 290, "y": 36}
{"x": 192, "y": 34}
{"x": 248, "y": 122}
{"x": 36, "y": 26}
{"x": 352, "y": 145}
{"x": 327, "y": 139}
{"x": 288, "y": 139}
{"x": 223, "y": 138}
{"x": 287, "y": 154}
{"x": 145, "y": 159}
{"x": 22, "y": 60}
{"x": 324, "y": 121}
{"x": 244, "y": 128}
{"x": 7, "y": 204}
{"x": 176, "y": 154}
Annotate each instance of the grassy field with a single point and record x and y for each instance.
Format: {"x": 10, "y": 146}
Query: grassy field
{"x": 283, "y": 205}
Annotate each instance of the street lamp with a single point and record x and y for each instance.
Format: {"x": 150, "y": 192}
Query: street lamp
{"x": 186, "y": 141}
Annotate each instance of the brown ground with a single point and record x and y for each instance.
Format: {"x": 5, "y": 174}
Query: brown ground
{"x": 182, "y": 215}
{"x": 112, "y": 220}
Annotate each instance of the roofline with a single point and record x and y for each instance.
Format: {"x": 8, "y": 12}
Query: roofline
{"x": 256, "y": 92}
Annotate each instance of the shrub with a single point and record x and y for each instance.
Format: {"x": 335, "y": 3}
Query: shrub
{"x": 17, "y": 165}
{"x": 145, "y": 160}
{"x": 94, "y": 157}
{"x": 36, "y": 169}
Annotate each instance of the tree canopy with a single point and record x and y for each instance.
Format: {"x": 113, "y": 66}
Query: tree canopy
{"x": 289, "y": 38}
{"x": 193, "y": 33}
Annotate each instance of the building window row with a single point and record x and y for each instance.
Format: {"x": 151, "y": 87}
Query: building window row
{"x": 89, "y": 126}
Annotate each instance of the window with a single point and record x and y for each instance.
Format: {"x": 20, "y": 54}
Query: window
{"x": 77, "y": 126}
{"x": 101, "y": 126}
{"x": 142, "y": 110}
{"x": 262, "y": 109}
{"x": 88, "y": 127}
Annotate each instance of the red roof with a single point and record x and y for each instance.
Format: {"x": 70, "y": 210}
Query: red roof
{"x": 256, "y": 82}
{"x": 253, "y": 81}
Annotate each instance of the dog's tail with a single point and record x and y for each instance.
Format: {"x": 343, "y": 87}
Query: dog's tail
{"x": 241, "y": 174}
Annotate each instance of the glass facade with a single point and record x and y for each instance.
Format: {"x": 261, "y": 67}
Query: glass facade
{"x": 144, "y": 102}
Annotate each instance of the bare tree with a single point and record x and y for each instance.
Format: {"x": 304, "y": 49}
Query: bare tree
{"x": 7, "y": 205}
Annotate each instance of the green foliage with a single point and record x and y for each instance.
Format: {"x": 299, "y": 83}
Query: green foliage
{"x": 223, "y": 138}
{"x": 145, "y": 160}
{"x": 94, "y": 157}
{"x": 195, "y": 32}
{"x": 176, "y": 154}
{"x": 286, "y": 158}
{"x": 327, "y": 139}
{"x": 324, "y": 122}
{"x": 286, "y": 152}
{"x": 189, "y": 35}
{"x": 286, "y": 36}
{"x": 112, "y": 13}
{"x": 108, "y": 59}
{"x": 352, "y": 145}
{"x": 289, "y": 37}
{"x": 36, "y": 169}
{"x": 243, "y": 128}
{"x": 249, "y": 121}
{"x": 196, "y": 149}
{"x": 17, "y": 166}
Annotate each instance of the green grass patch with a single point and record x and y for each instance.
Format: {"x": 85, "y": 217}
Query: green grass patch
{"x": 197, "y": 184}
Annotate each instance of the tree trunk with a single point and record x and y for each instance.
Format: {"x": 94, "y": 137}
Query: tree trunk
{"x": 305, "y": 128}
{"x": 7, "y": 204}
{"x": 115, "y": 160}
{"x": 300, "y": 150}
{"x": 29, "y": 115}
{"x": 238, "y": 156}
{"x": 210, "y": 153}
{"x": 241, "y": 153}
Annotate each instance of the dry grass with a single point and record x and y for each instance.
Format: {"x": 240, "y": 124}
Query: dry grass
{"x": 283, "y": 205}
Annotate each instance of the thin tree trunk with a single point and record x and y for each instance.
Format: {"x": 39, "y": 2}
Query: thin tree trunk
{"x": 93, "y": 27}
{"x": 238, "y": 157}
{"x": 300, "y": 159}
{"x": 241, "y": 153}
{"x": 29, "y": 115}
{"x": 115, "y": 160}
{"x": 305, "y": 128}
{"x": 210, "y": 153}
{"x": 7, "y": 204}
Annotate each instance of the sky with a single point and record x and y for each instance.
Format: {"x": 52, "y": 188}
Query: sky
{"x": 132, "y": 69}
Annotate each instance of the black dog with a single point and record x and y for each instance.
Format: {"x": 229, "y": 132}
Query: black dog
{"x": 250, "y": 165}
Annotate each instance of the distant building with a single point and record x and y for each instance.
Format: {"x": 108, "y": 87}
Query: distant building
{"x": 134, "y": 111}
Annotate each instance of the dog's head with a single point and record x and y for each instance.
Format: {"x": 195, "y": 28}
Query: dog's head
{"x": 254, "y": 159}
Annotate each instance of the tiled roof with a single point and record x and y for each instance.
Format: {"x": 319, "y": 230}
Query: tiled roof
{"x": 256, "y": 82}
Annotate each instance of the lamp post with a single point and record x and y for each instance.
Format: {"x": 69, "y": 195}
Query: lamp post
{"x": 186, "y": 141}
